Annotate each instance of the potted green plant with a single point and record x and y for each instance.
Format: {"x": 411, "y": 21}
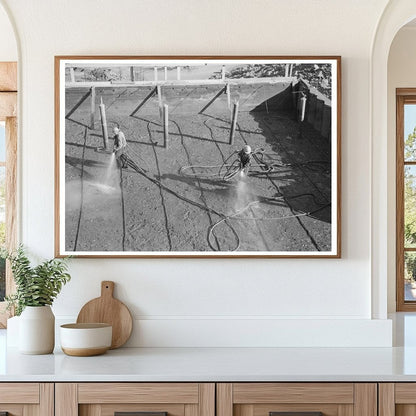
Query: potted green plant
{"x": 36, "y": 289}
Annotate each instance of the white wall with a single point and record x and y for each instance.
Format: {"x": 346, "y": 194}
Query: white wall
{"x": 8, "y": 47}
{"x": 196, "y": 302}
{"x": 401, "y": 74}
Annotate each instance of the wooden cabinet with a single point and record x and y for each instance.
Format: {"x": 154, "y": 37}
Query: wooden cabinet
{"x": 208, "y": 399}
{"x": 107, "y": 399}
{"x": 264, "y": 399}
{"x": 27, "y": 399}
{"x": 397, "y": 399}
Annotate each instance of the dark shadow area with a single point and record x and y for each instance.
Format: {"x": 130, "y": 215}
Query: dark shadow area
{"x": 308, "y": 163}
{"x": 80, "y": 145}
{"x": 78, "y": 104}
{"x": 221, "y": 92}
{"x": 78, "y": 122}
{"x": 78, "y": 161}
{"x": 152, "y": 92}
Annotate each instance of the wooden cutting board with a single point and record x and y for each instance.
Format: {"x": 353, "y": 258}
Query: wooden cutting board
{"x": 107, "y": 309}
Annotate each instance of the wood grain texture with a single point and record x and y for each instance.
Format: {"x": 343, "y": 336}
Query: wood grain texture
{"x": 11, "y": 196}
{"x": 8, "y": 76}
{"x": 244, "y": 410}
{"x": 265, "y": 409}
{"x": 405, "y": 410}
{"x": 191, "y": 410}
{"x": 47, "y": 399}
{"x": 400, "y": 305}
{"x": 57, "y": 159}
{"x": 13, "y": 409}
{"x": 340, "y": 393}
{"x": 386, "y": 399}
{"x": 207, "y": 399}
{"x": 107, "y": 309}
{"x": 403, "y": 96}
{"x": 365, "y": 399}
{"x": 405, "y": 393}
{"x": 405, "y": 91}
{"x": 91, "y": 410}
{"x": 66, "y": 399}
{"x": 8, "y": 105}
{"x": 11, "y": 207}
{"x": 31, "y": 410}
{"x": 345, "y": 410}
{"x": 110, "y": 409}
{"x": 138, "y": 393}
{"x": 25, "y": 393}
{"x": 224, "y": 399}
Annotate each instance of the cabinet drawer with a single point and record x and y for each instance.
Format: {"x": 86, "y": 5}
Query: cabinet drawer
{"x": 21, "y": 399}
{"x": 397, "y": 399}
{"x": 145, "y": 399}
{"x": 297, "y": 399}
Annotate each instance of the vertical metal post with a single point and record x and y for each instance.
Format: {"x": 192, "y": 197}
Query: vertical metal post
{"x": 178, "y": 73}
{"x": 234, "y": 122}
{"x": 72, "y": 74}
{"x": 227, "y": 90}
{"x": 302, "y": 108}
{"x": 166, "y": 73}
{"x": 155, "y": 73}
{"x": 132, "y": 73}
{"x": 104, "y": 124}
{"x": 223, "y": 72}
{"x": 92, "y": 120}
{"x": 166, "y": 125}
{"x": 287, "y": 70}
{"x": 159, "y": 98}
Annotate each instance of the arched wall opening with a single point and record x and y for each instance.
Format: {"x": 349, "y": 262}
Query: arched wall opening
{"x": 401, "y": 73}
{"x": 396, "y": 15}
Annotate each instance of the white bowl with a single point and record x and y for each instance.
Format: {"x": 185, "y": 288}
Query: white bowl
{"x": 83, "y": 340}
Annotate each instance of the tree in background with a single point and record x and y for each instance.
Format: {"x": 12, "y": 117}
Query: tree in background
{"x": 410, "y": 206}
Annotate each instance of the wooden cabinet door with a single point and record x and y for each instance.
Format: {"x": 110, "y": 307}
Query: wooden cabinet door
{"x": 143, "y": 399}
{"x": 397, "y": 399}
{"x": 26, "y": 399}
{"x": 297, "y": 399}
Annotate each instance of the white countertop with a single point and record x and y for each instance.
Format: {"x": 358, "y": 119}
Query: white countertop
{"x": 215, "y": 364}
{"x": 222, "y": 364}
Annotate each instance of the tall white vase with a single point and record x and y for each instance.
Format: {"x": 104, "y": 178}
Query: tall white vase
{"x": 37, "y": 330}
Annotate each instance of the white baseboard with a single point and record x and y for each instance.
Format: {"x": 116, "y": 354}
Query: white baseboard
{"x": 189, "y": 332}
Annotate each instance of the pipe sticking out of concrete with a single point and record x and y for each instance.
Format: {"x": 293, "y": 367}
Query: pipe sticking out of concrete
{"x": 104, "y": 124}
{"x": 302, "y": 108}
{"x": 166, "y": 125}
{"x": 92, "y": 119}
{"x": 234, "y": 122}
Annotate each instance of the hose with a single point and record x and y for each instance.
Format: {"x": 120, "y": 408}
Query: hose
{"x": 231, "y": 171}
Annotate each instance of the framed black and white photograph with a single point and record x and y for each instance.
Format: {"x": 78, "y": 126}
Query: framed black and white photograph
{"x": 198, "y": 156}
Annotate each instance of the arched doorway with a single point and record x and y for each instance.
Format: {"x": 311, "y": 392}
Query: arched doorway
{"x": 396, "y": 15}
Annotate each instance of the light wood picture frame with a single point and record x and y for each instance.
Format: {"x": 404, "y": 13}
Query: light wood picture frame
{"x": 198, "y": 156}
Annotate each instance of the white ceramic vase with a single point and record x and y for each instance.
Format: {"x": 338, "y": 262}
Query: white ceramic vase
{"x": 37, "y": 330}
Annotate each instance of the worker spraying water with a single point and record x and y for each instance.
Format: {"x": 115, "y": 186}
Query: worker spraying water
{"x": 243, "y": 163}
{"x": 119, "y": 149}
{"x": 231, "y": 168}
{"x": 245, "y": 155}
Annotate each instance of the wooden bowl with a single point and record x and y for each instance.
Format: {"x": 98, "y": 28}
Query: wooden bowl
{"x": 84, "y": 340}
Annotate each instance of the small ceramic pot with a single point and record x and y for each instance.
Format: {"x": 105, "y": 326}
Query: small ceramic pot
{"x": 37, "y": 330}
{"x": 87, "y": 339}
